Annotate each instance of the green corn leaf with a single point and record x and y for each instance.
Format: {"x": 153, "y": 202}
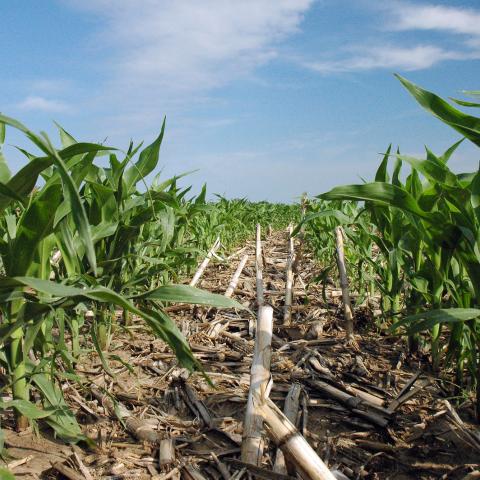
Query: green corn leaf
{"x": 188, "y": 294}
{"x": 396, "y": 170}
{"x": 464, "y": 103}
{"x": 101, "y": 355}
{"x": 26, "y": 178}
{"x": 445, "y": 157}
{"x": 2, "y": 133}
{"x": 66, "y": 245}
{"x": 467, "y": 125}
{"x": 380, "y": 193}
{"x": 341, "y": 217}
{"x": 475, "y": 197}
{"x": 431, "y": 318}
{"x": 471, "y": 93}
{"x": 66, "y": 139}
{"x": 161, "y": 324}
{"x": 382, "y": 173}
{"x": 24, "y": 407}
{"x": 34, "y": 225}
{"x": 147, "y": 162}
{"x": 61, "y": 418}
{"x": 166, "y": 220}
{"x": 31, "y": 333}
{"x": 435, "y": 171}
{"x": 79, "y": 214}
{"x": 45, "y": 286}
{"x": 104, "y": 230}
{"x": 7, "y": 193}
{"x": 5, "y": 173}
{"x": 6, "y": 474}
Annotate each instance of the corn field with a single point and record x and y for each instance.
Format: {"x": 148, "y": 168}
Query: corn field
{"x": 96, "y": 248}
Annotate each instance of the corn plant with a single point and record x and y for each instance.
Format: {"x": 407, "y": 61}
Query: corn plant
{"x": 92, "y": 217}
{"x": 436, "y": 213}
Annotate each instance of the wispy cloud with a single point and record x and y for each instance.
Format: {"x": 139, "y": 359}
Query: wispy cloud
{"x": 168, "y": 57}
{"x": 459, "y": 20}
{"x": 191, "y": 45}
{"x": 43, "y": 104}
{"x": 396, "y": 52}
{"x": 390, "y": 57}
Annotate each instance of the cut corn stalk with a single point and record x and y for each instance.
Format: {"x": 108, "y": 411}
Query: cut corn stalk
{"x": 259, "y": 266}
{"x": 252, "y": 439}
{"x": 347, "y": 306}
{"x": 291, "y": 412}
{"x": 287, "y": 309}
{"x": 236, "y": 277}
{"x": 294, "y": 446}
{"x": 205, "y": 263}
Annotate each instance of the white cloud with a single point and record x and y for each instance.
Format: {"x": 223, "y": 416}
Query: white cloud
{"x": 33, "y": 102}
{"x": 408, "y": 16}
{"x": 191, "y": 45}
{"x": 397, "y": 17}
{"x": 390, "y": 57}
{"x": 169, "y": 57}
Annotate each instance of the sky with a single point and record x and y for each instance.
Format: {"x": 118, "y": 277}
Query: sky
{"x": 265, "y": 99}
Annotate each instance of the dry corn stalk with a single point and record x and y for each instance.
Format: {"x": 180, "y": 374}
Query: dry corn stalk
{"x": 344, "y": 283}
{"x": 216, "y": 326}
{"x": 236, "y": 276}
{"x": 259, "y": 267}
{"x": 138, "y": 428}
{"x": 294, "y": 446}
{"x": 253, "y": 442}
{"x": 290, "y": 410}
{"x": 166, "y": 453}
{"x": 205, "y": 262}
{"x": 287, "y": 309}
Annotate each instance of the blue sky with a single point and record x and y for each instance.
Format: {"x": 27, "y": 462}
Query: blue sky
{"x": 267, "y": 98}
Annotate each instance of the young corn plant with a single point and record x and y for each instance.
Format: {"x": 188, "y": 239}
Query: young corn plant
{"x": 65, "y": 215}
{"x": 439, "y": 213}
